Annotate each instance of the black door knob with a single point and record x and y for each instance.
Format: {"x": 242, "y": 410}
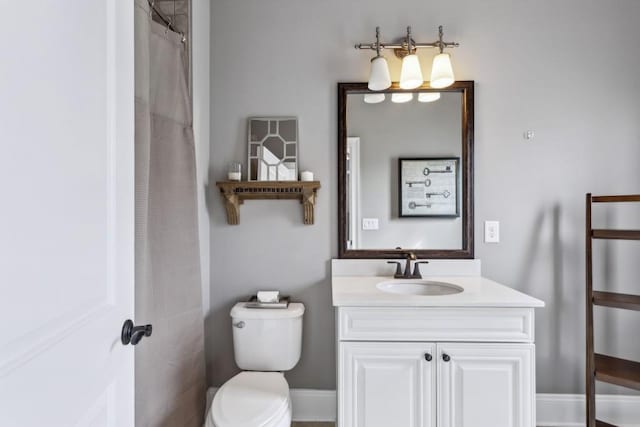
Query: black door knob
{"x": 133, "y": 334}
{"x": 446, "y": 357}
{"x": 427, "y": 357}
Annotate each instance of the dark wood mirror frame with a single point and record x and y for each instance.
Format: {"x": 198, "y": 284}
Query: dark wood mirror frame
{"x": 466, "y": 89}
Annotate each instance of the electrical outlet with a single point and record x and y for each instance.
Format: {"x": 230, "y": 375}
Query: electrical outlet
{"x": 369, "y": 223}
{"x": 492, "y": 231}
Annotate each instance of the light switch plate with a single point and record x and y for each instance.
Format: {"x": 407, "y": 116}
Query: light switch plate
{"x": 369, "y": 223}
{"x": 492, "y": 231}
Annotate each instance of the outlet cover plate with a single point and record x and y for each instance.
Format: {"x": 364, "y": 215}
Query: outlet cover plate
{"x": 492, "y": 231}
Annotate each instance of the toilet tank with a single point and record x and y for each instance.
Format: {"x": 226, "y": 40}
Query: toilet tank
{"x": 267, "y": 339}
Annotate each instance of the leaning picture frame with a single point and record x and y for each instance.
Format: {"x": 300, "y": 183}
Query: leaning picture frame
{"x": 429, "y": 187}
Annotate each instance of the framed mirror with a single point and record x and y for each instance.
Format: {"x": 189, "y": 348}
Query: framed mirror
{"x": 405, "y": 171}
{"x": 273, "y": 149}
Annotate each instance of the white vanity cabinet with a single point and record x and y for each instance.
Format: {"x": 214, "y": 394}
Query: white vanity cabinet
{"x": 486, "y": 385}
{"x": 436, "y": 367}
{"x": 387, "y": 384}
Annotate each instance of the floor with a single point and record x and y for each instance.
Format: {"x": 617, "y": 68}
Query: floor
{"x": 312, "y": 424}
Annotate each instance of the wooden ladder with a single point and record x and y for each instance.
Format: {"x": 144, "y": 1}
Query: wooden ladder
{"x": 601, "y": 367}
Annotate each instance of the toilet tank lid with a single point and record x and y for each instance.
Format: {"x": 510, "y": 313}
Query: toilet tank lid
{"x": 240, "y": 311}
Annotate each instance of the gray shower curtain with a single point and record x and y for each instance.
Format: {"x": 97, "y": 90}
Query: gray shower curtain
{"x": 170, "y": 377}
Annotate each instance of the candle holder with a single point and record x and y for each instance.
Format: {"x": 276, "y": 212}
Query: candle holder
{"x": 234, "y": 172}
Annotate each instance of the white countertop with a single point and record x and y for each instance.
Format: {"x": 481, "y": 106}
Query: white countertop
{"x": 361, "y": 291}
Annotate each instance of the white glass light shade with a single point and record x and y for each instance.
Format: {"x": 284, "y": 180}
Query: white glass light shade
{"x": 441, "y": 71}
{"x": 374, "y": 98}
{"x": 379, "y": 77}
{"x": 401, "y": 97}
{"x": 411, "y": 74}
{"x": 428, "y": 96}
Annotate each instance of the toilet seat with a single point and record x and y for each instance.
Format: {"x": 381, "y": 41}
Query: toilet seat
{"x": 252, "y": 399}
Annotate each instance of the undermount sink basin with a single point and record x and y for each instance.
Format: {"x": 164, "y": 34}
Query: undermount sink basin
{"x": 419, "y": 287}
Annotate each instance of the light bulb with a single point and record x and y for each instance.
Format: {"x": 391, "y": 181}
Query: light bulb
{"x": 441, "y": 71}
{"x": 373, "y": 98}
{"x": 379, "y": 77}
{"x": 401, "y": 97}
{"x": 411, "y": 74}
{"x": 428, "y": 96}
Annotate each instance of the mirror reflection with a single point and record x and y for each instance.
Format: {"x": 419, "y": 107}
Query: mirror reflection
{"x": 272, "y": 147}
{"x": 403, "y": 174}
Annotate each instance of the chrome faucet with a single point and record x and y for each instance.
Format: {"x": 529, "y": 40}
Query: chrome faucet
{"x": 410, "y": 256}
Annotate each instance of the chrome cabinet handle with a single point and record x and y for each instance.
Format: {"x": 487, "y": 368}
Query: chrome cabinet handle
{"x": 239, "y": 325}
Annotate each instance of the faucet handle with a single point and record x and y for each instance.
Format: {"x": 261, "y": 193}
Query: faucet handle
{"x": 398, "y": 268}
{"x": 416, "y": 269}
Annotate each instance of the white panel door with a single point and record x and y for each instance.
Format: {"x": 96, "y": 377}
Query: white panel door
{"x": 486, "y": 385}
{"x": 386, "y": 384}
{"x": 66, "y": 212}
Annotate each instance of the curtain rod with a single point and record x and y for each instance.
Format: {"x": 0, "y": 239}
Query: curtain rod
{"x": 164, "y": 19}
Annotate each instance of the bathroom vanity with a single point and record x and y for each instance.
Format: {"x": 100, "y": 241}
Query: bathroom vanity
{"x": 466, "y": 359}
{"x": 452, "y": 349}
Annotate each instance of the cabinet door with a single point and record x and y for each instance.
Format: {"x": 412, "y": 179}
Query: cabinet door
{"x": 386, "y": 384}
{"x": 486, "y": 385}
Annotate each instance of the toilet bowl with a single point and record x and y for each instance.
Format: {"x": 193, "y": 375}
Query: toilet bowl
{"x": 252, "y": 399}
{"x": 266, "y": 343}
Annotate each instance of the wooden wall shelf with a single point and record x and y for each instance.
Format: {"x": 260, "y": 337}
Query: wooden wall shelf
{"x": 234, "y": 193}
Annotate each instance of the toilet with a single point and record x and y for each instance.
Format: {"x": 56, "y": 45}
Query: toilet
{"x": 266, "y": 342}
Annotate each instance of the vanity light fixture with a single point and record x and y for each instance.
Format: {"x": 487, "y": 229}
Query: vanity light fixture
{"x": 441, "y": 69}
{"x": 411, "y": 74}
{"x": 379, "y": 77}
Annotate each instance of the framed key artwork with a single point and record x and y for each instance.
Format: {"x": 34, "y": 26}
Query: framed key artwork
{"x": 428, "y": 187}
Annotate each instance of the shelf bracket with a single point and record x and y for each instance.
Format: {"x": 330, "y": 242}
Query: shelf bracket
{"x": 308, "y": 204}
{"x": 232, "y": 205}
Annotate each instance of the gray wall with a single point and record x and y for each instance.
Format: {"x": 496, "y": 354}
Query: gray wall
{"x": 566, "y": 69}
{"x": 387, "y": 132}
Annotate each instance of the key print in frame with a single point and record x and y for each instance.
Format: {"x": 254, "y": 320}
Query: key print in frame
{"x": 428, "y": 187}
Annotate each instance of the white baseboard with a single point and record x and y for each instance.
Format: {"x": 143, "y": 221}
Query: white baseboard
{"x": 313, "y": 405}
{"x": 552, "y": 410}
{"x": 568, "y": 410}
